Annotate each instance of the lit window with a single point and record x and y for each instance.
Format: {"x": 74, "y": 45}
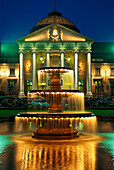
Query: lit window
{"x": 97, "y": 71}
{"x": 97, "y": 59}
{"x": 81, "y": 83}
{"x": 112, "y": 71}
{"x": 12, "y": 72}
{"x": 29, "y": 85}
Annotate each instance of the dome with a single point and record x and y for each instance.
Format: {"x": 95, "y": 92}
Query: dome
{"x": 54, "y": 17}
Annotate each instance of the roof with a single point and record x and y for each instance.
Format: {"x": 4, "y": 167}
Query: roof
{"x": 54, "y": 17}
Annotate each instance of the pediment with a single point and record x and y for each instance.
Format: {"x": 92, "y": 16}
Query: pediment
{"x": 55, "y": 32}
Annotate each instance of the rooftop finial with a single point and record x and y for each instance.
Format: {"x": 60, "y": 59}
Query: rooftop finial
{"x": 54, "y": 5}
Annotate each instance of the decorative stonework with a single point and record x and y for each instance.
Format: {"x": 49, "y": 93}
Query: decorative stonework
{"x": 55, "y": 34}
{"x": 80, "y": 67}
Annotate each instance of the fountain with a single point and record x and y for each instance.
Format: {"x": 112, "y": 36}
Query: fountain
{"x": 56, "y": 123}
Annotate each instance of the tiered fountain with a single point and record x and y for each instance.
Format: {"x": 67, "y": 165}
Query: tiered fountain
{"x": 56, "y": 123}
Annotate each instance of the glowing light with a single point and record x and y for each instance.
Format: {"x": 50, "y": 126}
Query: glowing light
{"x": 68, "y": 58}
{"x": 41, "y": 59}
{"x": 5, "y": 72}
{"x": 55, "y": 32}
{"x": 71, "y": 71}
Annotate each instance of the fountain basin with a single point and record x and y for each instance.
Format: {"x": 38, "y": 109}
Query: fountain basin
{"x": 57, "y": 125}
{"x": 84, "y": 137}
{"x": 64, "y": 114}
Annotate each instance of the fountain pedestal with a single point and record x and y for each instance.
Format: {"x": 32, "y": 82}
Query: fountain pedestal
{"x": 55, "y": 98}
{"x": 56, "y": 133}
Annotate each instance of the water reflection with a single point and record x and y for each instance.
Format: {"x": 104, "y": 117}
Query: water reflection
{"x": 88, "y": 155}
{"x": 56, "y": 156}
{"x": 108, "y": 146}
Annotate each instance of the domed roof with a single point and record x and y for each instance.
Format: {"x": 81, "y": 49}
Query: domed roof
{"x": 54, "y": 17}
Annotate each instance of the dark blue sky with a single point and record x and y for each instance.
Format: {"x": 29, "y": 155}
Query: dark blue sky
{"x": 94, "y": 18}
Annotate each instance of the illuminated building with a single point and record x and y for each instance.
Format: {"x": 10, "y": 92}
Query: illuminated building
{"x": 9, "y": 69}
{"x": 103, "y": 69}
{"x": 55, "y": 41}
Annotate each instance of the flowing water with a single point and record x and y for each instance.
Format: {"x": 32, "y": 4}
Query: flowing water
{"x": 90, "y": 154}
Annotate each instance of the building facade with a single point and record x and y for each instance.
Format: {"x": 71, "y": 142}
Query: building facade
{"x": 9, "y": 69}
{"x": 55, "y": 41}
{"x": 103, "y": 69}
{"x": 58, "y": 42}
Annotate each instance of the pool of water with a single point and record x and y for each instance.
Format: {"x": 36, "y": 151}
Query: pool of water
{"x": 83, "y": 155}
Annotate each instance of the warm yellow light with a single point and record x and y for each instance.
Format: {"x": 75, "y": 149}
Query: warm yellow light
{"x": 28, "y": 66}
{"x": 41, "y": 59}
{"x": 55, "y": 32}
{"x": 4, "y": 72}
{"x": 68, "y": 58}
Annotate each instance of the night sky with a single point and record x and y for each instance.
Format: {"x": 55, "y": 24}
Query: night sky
{"x": 94, "y": 18}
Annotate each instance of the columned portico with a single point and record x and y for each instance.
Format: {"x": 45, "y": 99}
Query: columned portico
{"x": 21, "y": 75}
{"x": 88, "y": 75}
{"x": 62, "y": 58}
{"x": 34, "y": 71}
{"x": 76, "y": 69}
{"x": 60, "y": 41}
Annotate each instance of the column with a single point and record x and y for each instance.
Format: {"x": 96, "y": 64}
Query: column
{"x": 34, "y": 71}
{"x": 21, "y": 75}
{"x": 88, "y": 75}
{"x": 47, "y": 58}
{"x": 76, "y": 69}
{"x": 47, "y": 65}
{"x": 62, "y": 58}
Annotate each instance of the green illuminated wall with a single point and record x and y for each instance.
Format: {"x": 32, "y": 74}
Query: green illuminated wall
{"x": 9, "y": 53}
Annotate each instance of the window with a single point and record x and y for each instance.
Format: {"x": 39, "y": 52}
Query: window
{"x": 99, "y": 87}
{"x": 97, "y": 59}
{"x": 112, "y": 71}
{"x": 81, "y": 85}
{"x": 97, "y": 72}
{"x": 29, "y": 85}
{"x": 12, "y": 72}
{"x": 11, "y": 86}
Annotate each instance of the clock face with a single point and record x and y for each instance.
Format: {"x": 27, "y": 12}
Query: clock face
{"x": 55, "y": 34}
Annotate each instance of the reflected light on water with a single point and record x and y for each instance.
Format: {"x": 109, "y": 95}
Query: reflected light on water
{"x": 56, "y": 156}
{"x": 25, "y": 154}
